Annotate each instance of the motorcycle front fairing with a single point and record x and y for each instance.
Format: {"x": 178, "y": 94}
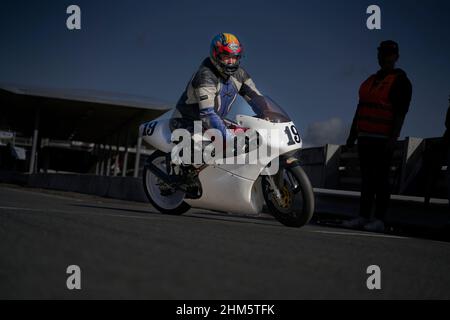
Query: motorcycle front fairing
{"x": 235, "y": 187}
{"x": 278, "y": 132}
{"x": 274, "y": 138}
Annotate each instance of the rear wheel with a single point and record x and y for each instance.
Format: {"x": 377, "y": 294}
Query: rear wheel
{"x": 294, "y": 205}
{"x": 162, "y": 196}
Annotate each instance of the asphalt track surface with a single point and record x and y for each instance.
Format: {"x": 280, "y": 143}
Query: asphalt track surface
{"x": 128, "y": 250}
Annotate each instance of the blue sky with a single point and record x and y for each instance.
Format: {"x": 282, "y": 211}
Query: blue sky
{"x": 309, "y": 56}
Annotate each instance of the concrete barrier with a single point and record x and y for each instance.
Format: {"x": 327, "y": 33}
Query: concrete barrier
{"x": 417, "y": 168}
{"x": 407, "y": 213}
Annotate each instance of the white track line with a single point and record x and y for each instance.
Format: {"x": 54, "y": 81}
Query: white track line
{"x": 44, "y": 194}
{"x": 86, "y": 198}
{"x": 374, "y": 235}
{"x": 80, "y": 212}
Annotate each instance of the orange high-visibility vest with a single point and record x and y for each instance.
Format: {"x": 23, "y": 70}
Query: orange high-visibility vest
{"x": 375, "y": 110}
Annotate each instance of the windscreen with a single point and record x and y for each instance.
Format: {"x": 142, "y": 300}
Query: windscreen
{"x": 266, "y": 108}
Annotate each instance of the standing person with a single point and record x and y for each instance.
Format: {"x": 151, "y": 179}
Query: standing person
{"x": 433, "y": 159}
{"x": 447, "y": 147}
{"x": 384, "y": 100}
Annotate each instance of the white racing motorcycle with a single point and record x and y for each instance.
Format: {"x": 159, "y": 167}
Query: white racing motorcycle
{"x": 174, "y": 188}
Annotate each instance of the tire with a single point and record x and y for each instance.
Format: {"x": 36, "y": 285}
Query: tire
{"x": 302, "y": 209}
{"x": 173, "y": 204}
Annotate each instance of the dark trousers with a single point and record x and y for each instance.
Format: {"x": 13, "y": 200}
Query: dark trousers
{"x": 375, "y": 160}
{"x": 448, "y": 174}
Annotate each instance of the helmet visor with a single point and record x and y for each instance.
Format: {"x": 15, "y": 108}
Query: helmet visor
{"x": 229, "y": 59}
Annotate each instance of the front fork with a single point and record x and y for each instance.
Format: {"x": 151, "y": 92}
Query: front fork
{"x": 277, "y": 180}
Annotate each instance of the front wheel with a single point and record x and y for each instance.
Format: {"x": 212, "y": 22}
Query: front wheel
{"x": 162, "y": 196}
{"x": 289, "y": 196}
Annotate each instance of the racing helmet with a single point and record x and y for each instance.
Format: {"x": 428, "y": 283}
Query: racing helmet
{"x": 223, "y": 46}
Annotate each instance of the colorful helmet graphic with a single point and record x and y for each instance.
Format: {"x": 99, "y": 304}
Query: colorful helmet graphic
{"x": 226, "y": 51}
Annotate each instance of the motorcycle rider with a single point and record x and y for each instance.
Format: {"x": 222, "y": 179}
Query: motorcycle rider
{"x": 212, "y": 90}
